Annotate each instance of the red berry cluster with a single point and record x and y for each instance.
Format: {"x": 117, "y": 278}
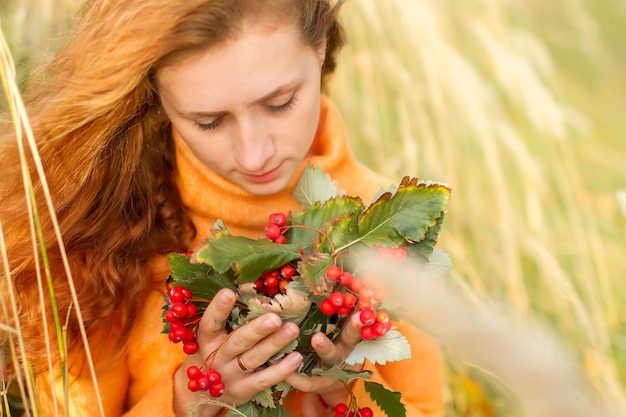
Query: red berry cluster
{"x": 209, "y": 380}
{"x": 343, "y": 410}
{"x": 275, "y": 228}
{"x": 353, "y": 293}
{"x": 275, "y": 281}
{"x": 182, "y": 317}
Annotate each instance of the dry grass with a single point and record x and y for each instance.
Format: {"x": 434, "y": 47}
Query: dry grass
{"x": 516, "y": 105}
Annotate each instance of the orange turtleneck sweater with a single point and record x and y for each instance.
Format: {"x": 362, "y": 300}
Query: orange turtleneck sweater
{"x": 140, "y": 382}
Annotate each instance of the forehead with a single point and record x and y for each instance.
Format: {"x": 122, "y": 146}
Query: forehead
{"x": 241, "y": 68}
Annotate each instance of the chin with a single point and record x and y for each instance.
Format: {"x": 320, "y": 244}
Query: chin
{"x": 269, "y": 188}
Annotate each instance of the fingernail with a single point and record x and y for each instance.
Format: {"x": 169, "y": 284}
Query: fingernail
{"x": 226, "y": 297}
{"x": 294, "y": 359}
{"x": 271, "y": 322}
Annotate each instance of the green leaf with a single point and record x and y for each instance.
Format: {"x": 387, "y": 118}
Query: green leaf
{"x": 388, "y": 401}
{"x": 389, "y": 348}
{"x": 341, "y": 233}
{"x": 248, "y": 409}
{"x": 203, "y": 281}
{"x": 313, "y": 186}
{"x": 341, "y": 374}
{"x": 404, "y": 216}
{"x": 426, "y": 245}
{"x": 320, "y": 216}
{"x": 249, "y": 258}
{"x": 182, "y": 269}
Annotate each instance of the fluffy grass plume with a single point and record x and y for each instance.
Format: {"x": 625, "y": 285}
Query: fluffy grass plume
{"x": 514, "y": 104}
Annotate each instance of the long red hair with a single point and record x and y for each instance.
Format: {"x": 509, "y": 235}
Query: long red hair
{"x": 106, "y": 148}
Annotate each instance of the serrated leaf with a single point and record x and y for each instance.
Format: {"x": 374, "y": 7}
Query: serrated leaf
{"x": 264, "y": 399}
{"x": 341, "y": 374}
{"x": 249, "y": 258}
{"x": 404, "y": 216}
{"x": 182, "y": 269}
{"x": 388, "y": 401}
{"x": 293, "y": 306}
{"x": 312, "y": 270}
{"x": 320, "y": 216}
{"x": 248, "y": 409}
{"x": 340, "y": 234}
{"x": 203, "y": 281}
{"x": 426, "y": 245}
{"x": 314, "y": 185}
{"x": 390, "y": 348}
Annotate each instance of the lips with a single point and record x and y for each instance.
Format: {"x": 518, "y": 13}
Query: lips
{"x": 265, "y": 177}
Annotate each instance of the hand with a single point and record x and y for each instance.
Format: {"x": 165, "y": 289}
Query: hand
{"x": 331, "y": 354}
{"x": 255, "y": 343}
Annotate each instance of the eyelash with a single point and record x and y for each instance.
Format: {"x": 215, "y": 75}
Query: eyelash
{"x": 283, "y": 107}
{"x": 274, "y": 109}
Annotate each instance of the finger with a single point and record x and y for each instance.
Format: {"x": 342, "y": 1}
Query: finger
{"x": 265, "y": 349}
{"x": 251, "y": 333}
{"x": 216, "y": 315}
{"x": 316, "y": 384}
{"x": 335, "y": 353}
{"x": 265, "y": 378}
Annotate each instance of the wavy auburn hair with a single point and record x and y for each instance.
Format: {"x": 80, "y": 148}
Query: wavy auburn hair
{"x": 106, "y": 148}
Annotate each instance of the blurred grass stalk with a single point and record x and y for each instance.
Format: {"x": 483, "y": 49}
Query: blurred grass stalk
{"x": 493, "y": 98}
{"x": 470, "y": 93}
{"x": 24, "y": 377}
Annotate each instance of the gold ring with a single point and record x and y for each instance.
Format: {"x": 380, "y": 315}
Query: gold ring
{"x": 242, "y": 366}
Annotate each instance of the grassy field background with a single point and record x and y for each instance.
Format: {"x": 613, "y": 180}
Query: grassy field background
{"x": 519, "y": 106}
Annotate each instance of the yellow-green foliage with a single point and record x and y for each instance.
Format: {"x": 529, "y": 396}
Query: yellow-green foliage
{"x": 517, "y": 106}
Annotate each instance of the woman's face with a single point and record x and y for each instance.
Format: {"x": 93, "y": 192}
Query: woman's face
{"x": 248, "y": 108}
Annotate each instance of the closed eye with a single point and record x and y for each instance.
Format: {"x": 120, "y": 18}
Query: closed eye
{"x": 283, "y": 107}
{"x": 209, "y": 126}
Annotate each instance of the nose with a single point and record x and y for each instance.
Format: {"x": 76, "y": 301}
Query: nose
{"x": 254, "y": 146}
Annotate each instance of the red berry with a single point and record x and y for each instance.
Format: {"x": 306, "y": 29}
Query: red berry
{"x": 272, "y": 231}
{"x": 281, "y": 240}
{"x": 191, "y": 310}
{"x": 346, "y": 279}
{"x": 271, "y": 282}
{"x": 287, "y": 271}
{"x": 379, "y": 329}
{"x": 368, "y": 317}
{"x": 179, "y": 310}
{"x": 340, "y": 408}
{"x": 190, "y": 347}
{"x": 382, "y": 317}
{"x": 356, "y": 285}
{"x": 193, "y": 385}
{"x": 336, "y": 298}
{"x": 193, "y": 372}
{"x": 349, "y": 300}
{"x": 333, "y": 272}
{"x": 366, "y": 333}
{"x": 279, "y": 219}
{"x": 170, "y": 316}
{"x": 213, "y": 376}
{"x": 203, "y": 383}
{"x": 217, "y": 389}
{"x": 344, "y": 311}
{"x": 327, "y": 307}
{"x": 282, "y": 285}
{"x": 186, "y": 293}
{"x": 366, "y": 412}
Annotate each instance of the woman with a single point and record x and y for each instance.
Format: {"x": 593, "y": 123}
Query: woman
{"x": 157, "y": 118}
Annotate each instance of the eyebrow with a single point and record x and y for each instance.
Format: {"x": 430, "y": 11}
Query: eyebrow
{"x": 281, "y": 89}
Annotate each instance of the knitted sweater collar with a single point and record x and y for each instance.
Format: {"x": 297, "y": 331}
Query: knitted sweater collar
{"x": 209, "y": 197}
